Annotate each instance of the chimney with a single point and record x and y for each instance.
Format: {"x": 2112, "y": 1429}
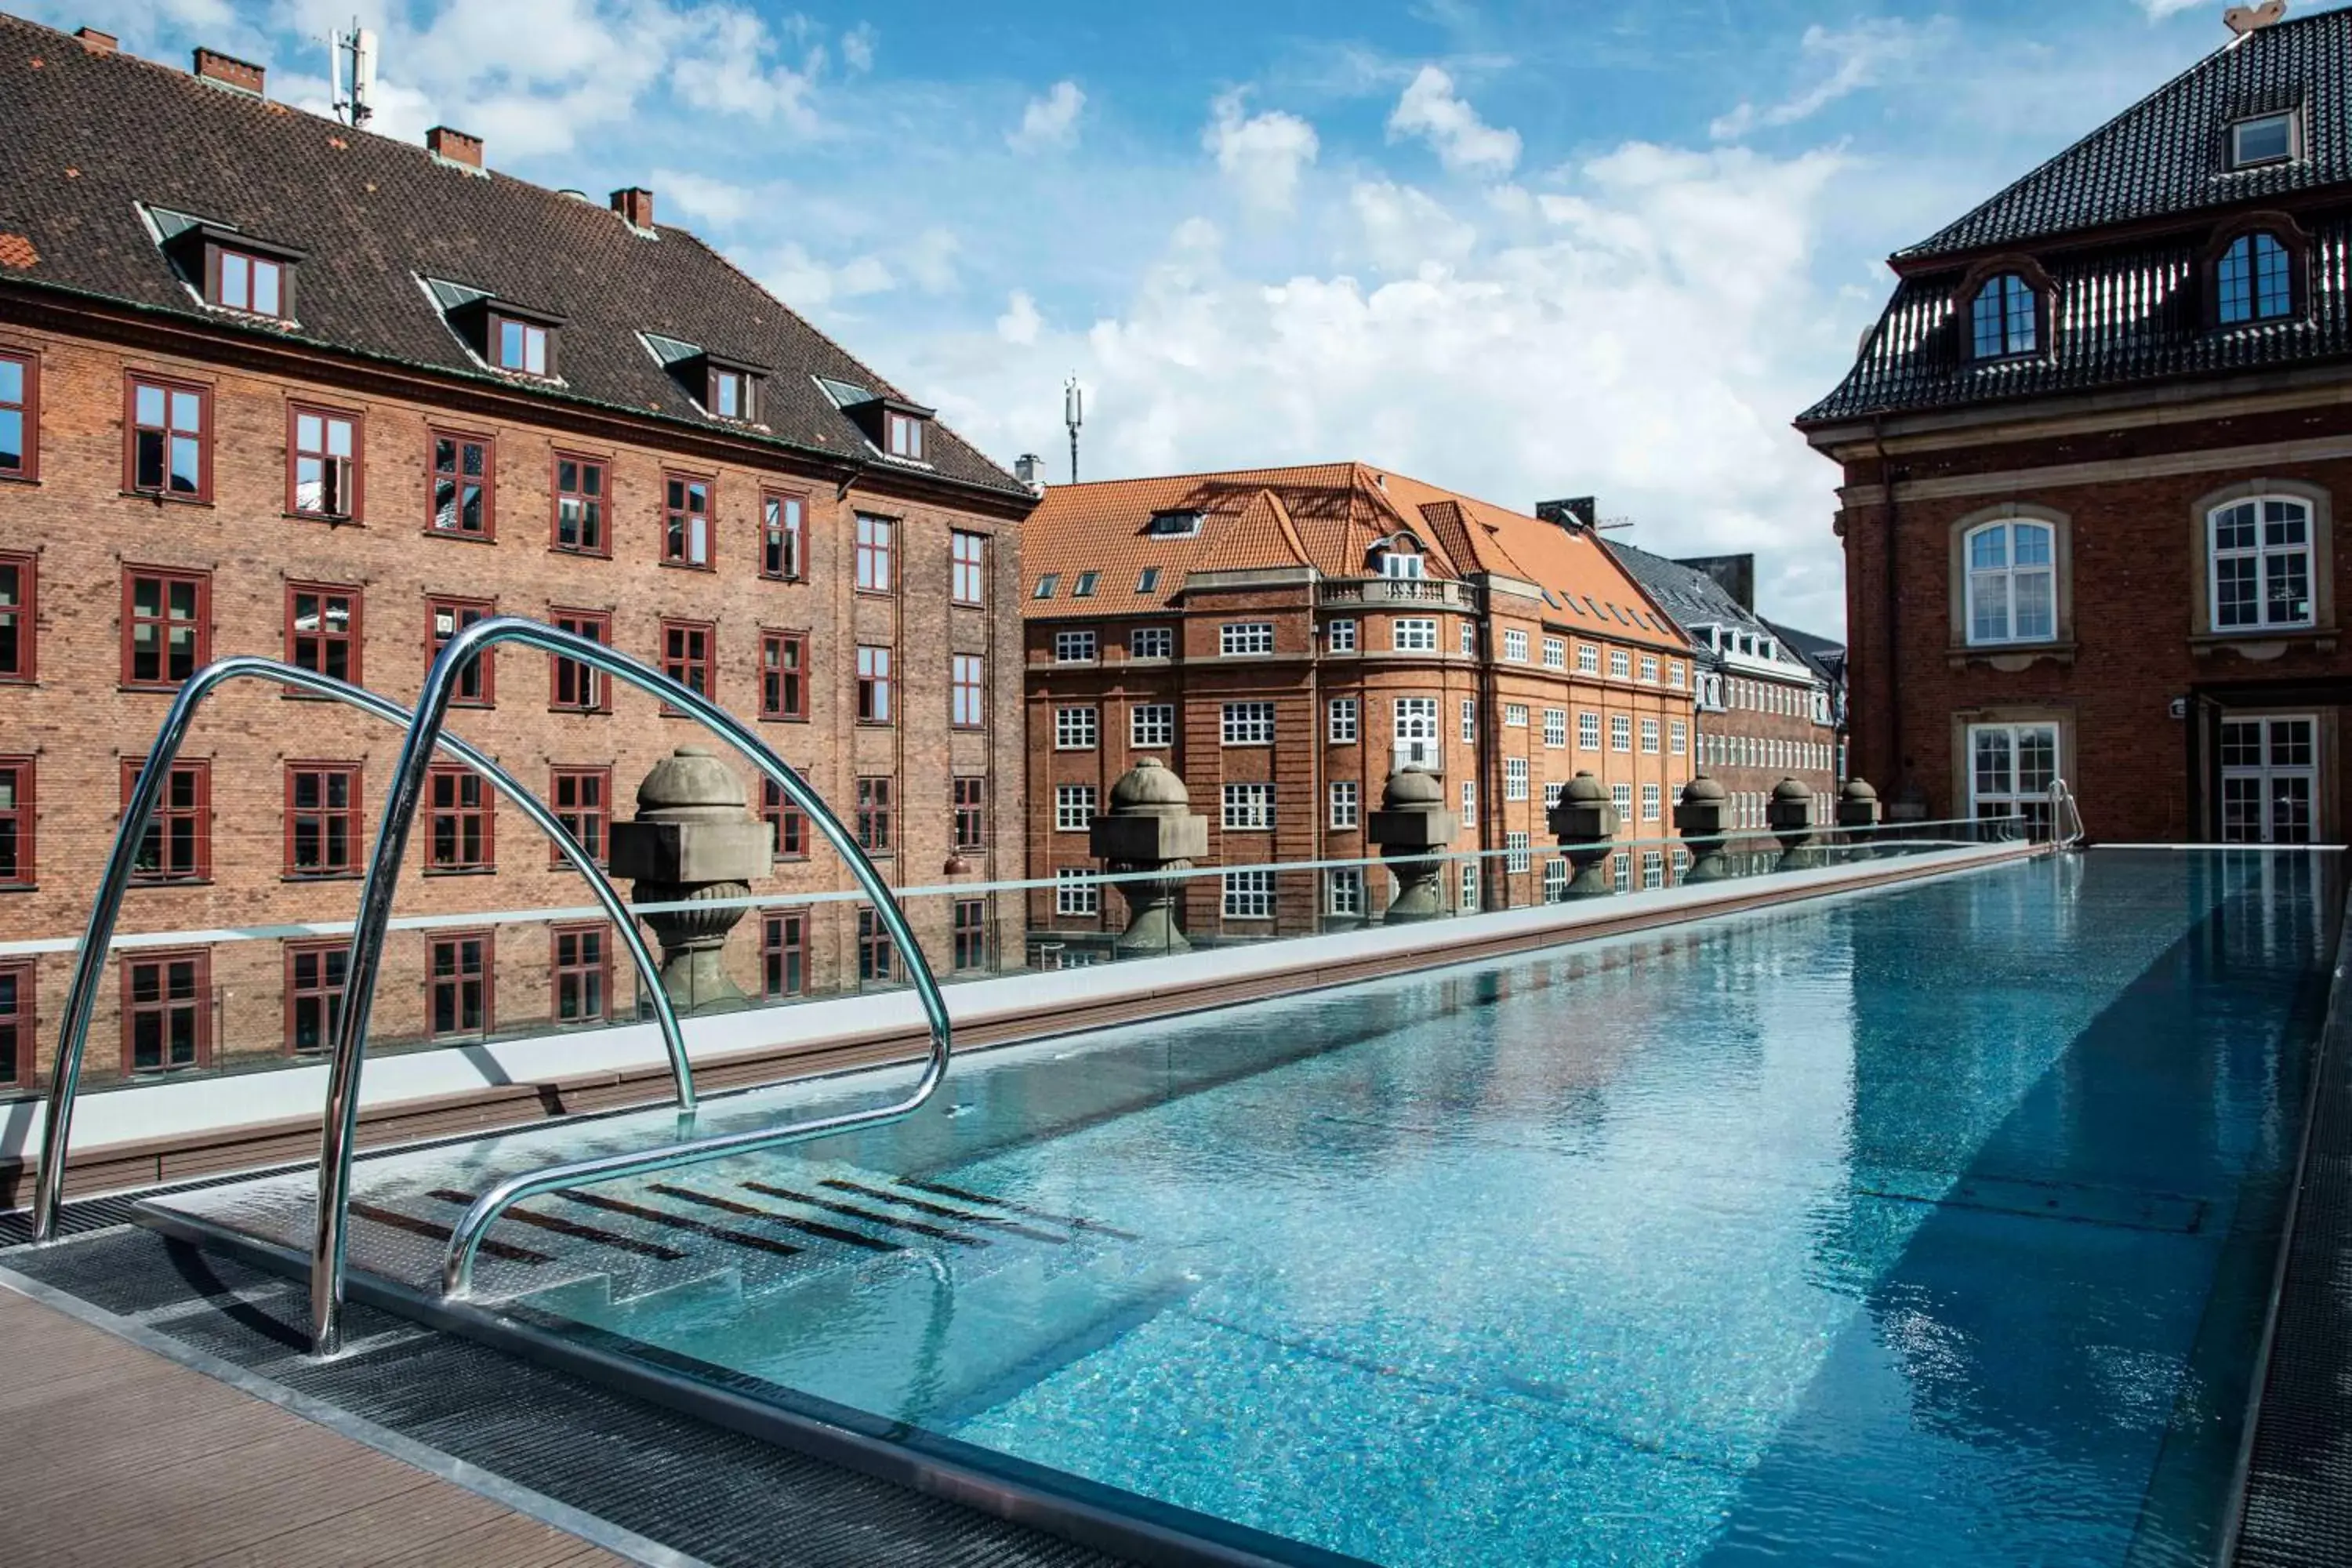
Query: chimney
{"x": 447, "y": 142}
{"x": 635, "y": 206}
{"x": 1734, "y": 574}
{"x": 1575, "y": 513}
{"x": 96, "y": 42}
{"x": 214, "y": 65}
{"x": 1030, "y": 469}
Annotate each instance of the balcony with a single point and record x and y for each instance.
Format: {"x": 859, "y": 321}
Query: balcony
{"x": 1398, "y": 591}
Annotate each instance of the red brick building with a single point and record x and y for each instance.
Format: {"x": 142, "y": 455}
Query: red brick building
{"x": 2092, "y": 453}
{"x": 272, "y": 384}
{"x": 1285, "y": 639}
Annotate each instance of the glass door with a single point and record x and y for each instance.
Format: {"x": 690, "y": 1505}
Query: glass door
{"x": 2011, "y": 769}
{"x": 2269, "y": 778}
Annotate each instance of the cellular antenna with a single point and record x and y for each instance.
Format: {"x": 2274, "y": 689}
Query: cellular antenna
{"x": 350, "y": 73}
{"x": 1074, "y": 414}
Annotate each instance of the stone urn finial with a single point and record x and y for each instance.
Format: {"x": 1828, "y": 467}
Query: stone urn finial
{"x": 1702, "y": 816}
{"x": 1857, "y": 805}
{"x": 1789, "y": 815}
{"x": 1586, "y": 822}
{"x": 691, "y": 840}
{"x": 1150, "y": 827}
{"x": 1412, "y": 827}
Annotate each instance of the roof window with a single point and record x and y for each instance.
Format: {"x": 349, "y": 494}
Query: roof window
{"x": 1084, "y": 588}
{"x": 1173, "y": 524}
{"x": 2263, "y": 139}
{"x": 2005, "y": 318}
{"x": 1148, "y": 581}
{"x": 1046, "y": 585}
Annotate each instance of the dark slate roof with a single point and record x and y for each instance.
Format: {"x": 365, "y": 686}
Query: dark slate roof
{"x": 2167, "y": 153}
{"x": 1827, "y": 658}
{"x": 1692, "y": 597}
{"x": 84, "y": 137}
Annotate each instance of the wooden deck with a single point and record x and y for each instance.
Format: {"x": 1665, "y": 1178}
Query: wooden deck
{"x": 120, "y": 1459}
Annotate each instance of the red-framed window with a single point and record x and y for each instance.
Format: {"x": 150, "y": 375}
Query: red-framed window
{"x": 783, "y": 952}
{"x": 688, "y": 508}
{"x": 784, "y": 535}
{"x": 19, "y": 1026}
{"x": 874, "y": 686}
{"x": 16, "y": 820}
{"x": 315, "y": 972}
{"x": 460, "y": 822}
{"x": 875, "y": 950}
{"x": 444, "y": 619}
{"x": 167, "y": 448}
{"x": 874, "y": 815}
{"x": 323, "y": 820}
{"x": 789, "y": 822}
{"x": 19, "y": 577}
{"x": 323, "y": 629}
{"x": 579, "y": 524}
{"x": 526, "y": 346}
{"x": 906, "y": 436}
{"x": 458, "y": 991}
{"x": 20, "y": 415}
{"x": 465, "y": 486}
{"x": 322, "y": 462}
{"x": 178, "y": 843}
{"x": 968, "y": 692}
{"x": 580, "y": 973}
{"x": 582, "y": 801}
{"x": 972, "y": 934}
{"x": 876, "y": 574}
{"x": 969, "y": 798}
{"x": 968, "y": 563}
{"x": 167, "y": 1012}
{"x": 729, "y": 396}
{"x": 689, "y": 656}
{"x": 240, "y": 280}
{"x": 574, "y": 687}
{"x": 783, "y": 675}
{"x": 167, "y": 630}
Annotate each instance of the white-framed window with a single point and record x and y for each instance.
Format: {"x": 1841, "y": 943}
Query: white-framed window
{"x": 1515, "y": 778}
{"x": 1249, "y": 809}
{"x": 1074, "y": 648}
{"x": 1553, "y": 790}
{"x": 1151, "y": 724}
{"x": 1469, "y": 721}
{"x": 1555, "y": 651}
{"x": 2262, "y": 138}
{"x": 1469, "y": 904}
{"x": 1340, "y": 636}
{"x": 1345, "y": 802}
{"x": 1515, "y": 715}
{"x": 1343, "y": 890}
{"x": 1413, "y": 634}
{"x": 1674, "y": 673}
{"x": 1653, "y": 800}
{"x": 2270, "y": 780}
{"x": 1401, "y": 563}
{"x": 1073, "y": 894}
{"x": 1469, "y": 803}
{"x": 1151, "y": 642}
{"x": 1620, "y": 871}
{"x": 1518, "y": 859}
{"x": 1249, "y": 895}
{"x": 1678, "y": 737}
{"x": 1248, "y": 725}
{"x": 2261, "y": 563}
{"x": 2012, "y": 591}
{"x": 1650, "y": 669}
{"x": 1587, "y": 731}
{"x": 1649, "y": 737}
{"x": 1555, "y": 728}
{"x": 2009, "y": 770}
{"x": 1469, "y": 639}
{"x": 1074, "y": 807}
{"x": 1620, "y": 664}
{"x": 1653, "y": 867}
{"x": 1342, "y": 725}
{"x": 1235, "y": 639}
{"x": 1621, "y": 732}
{"x": 1554, "y": 881}
{"x": 1515, "y": 647}
{"x": 1074, "y": 729}
{"x": 1622, "y": 798}
{"x": 1588, "y": 659}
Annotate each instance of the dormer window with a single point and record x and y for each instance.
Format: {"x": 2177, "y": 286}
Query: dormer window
{"x": 1400, "y": 563}
{"x": 893, "y": 426}
{"x": 521, "y": 345}
{"x": 730, "y": 395}
{"x": 228, "y": 268}
{"x": 2264, "y": 139}
{"x": 241, "y": 281}
{"x": 1174, "y": 524}
{"x": 2254, "y": 280}
{"x": 500, "y": 333}
{"x": 2005, "y": 318}
{"x": 906, "y": 433}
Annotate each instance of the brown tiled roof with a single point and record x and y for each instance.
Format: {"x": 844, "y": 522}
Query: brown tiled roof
{"x": 84, "y": 138}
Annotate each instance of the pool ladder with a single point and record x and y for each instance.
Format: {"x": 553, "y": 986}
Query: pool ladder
{"x": 423, "y": 737}
{"x": 2066, "y": 816}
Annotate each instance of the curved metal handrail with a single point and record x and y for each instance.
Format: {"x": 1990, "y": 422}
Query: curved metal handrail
{"x": 329, "y": 1243}
{"x": 2066, "y": 816}
{"x": 73, "y": 1035}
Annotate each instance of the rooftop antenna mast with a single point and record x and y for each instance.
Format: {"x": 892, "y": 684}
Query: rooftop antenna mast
{"x": 1074, "y": 414}
{"x": 351, "y": 74}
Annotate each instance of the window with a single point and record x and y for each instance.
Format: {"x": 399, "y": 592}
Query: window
{"x": 457, "y": 986}
{"x": 874, "y": 815}
{"x": 1342, "y": 728}
{"x": 2010, "y": 767}
{"x": 518, "y": 345}
{"x": 580, "y": 973}
{"x": 1621, "y": 665}
{"x": 967, "y": 691}
{"x": 1650, "y": 669}
{"x": 1045, "y": 589}
{"x": 2265, "y": 139}
{"x": 685, "y": 520}
{"x": 1678, "y": 737}
{"x": 874, "y": 573}
{"x": 2004, "y": 318}
{"x": 1469, "y": 639}
{"x": 1588, "y": 659}
{"x": 1587, "y": 731}
{"x": 170, "y": 445}
{"x": 1649, "y": 737}
{"x": 1249, "y": 895}
{"x": 791, "y": 842}
{"x": 166, "y": 1011}
{"x": 323, "y": 629}
{"x": 1515, "y": 647}
{"x": 1654, "y": 868}
{"x": 17, "y": 617}
{"x": 906, "y": 436}
{"x": 238, "y": 280}
{"x": 1621, "y": 733}
{"x": 1469, "y": 882}
{"x": 1515, "y": 715}
{"x": 1074, "y": 807}
{"x": 1553, "y": 790}
{"x": 969, "y": 796}
{"x": 2269, "y": 778}
{"x": 1344, "y": 891}
{"x": 582, "y": 799}
{"x": 1622, "y": 798}
{"x": 2262, "y": 563}
{"x": 1401, "y": 563}
{"x": 323, "y": 820}
{"x": 177, "y": 845}
{"x": 464, "y": 486}
{"x": 1074, "y": 729}
{"x": 1555, "y": 728}
{"x": 315, "y": 973}
{"x": 971, "y": 950}
{"x": 1248, "y": 725}
{"x": 1674, "y": 673}
{"x": 574, "y": 687}
{"x": 1074, "y": 894}
{"x": 17, "y": 822}
{"x": 1239, "y": 638}
{"x": 1173, "y": 524}
{"x": 1555, "y": 653}
{"x": 1074, "y": 648}
{"x": 1469, "y": 721}
{"x": 730, "y": 394}
{"x": 2012, "y": 593}
{"x": 1518, "y": 859}
{"x": 322, "y": 463}
{"x": 166, "y": 626}
{"x": 1412, "y": 633}
{"x": 20, "y": 416}
{"x": 1151, "y": 642}
{"x": 458, "y": 821}
{"x": 1515, "y": 778}
{"x": 1340, "y": 635}
{"x": 784, "y": 679}
{"x": 782, "y": 537}
{"x": 1248, "y": 809}
{"x": 1469, "y": 803}
{"x": 687, "y": 656}
{"x": 1084, "y": 588}
{"x": 1147, "y": 580}
{"x": 872, "y": 685}
{"x": 1653, "y": 801}
{"x": 783, "y": 954}
{"x": 1621, "y": 872}
{"x": 1151, "y": 724}
{"x": 1345, "y": 804}
{"x": 968, "y": 567}
{"x": 1555, "y": 879}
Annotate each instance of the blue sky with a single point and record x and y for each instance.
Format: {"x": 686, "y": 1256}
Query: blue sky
{"x": 1521, "y": 248}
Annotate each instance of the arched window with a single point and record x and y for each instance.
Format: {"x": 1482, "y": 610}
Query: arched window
{"x": 2005, "y": 318}
{"x": 2255, "y": 280}
{"x": 2260, "y": 556}
{"x": 2012, "y": 593}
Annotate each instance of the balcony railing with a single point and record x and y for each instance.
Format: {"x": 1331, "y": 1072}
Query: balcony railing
{"x": 1398, "y": 591}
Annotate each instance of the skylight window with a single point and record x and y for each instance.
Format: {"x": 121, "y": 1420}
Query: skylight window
{"x": 2265, "y": 139}
{"x": 1148, "y": 581}
{"x": 1084, "y": 588}
{"x": 1046, "y": 585}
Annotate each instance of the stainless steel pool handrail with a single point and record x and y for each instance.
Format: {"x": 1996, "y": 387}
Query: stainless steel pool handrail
{"x": 2066, "y": 816}
{"x": 81, "y": 995}
{"x": 330, "y": 1237}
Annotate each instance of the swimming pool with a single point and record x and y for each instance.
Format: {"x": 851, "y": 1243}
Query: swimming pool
{"x": 1932, "y": 1226}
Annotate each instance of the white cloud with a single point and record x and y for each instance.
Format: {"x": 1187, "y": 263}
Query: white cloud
{"x": 1020, "y": 323}
{"x": 1051, "y": 120}
{"x": 857, "y": 48}
{"x": 701, "y": 196}
{"x": 931, "y": 260}
{"x": 805, "y": 283}
{"x": 1859, "y": 56}
{"x": 2157, "y": 10}
{"x": 1262, "y": 154}
{"x": 1464, "y": 143}
{"x": 1405, "y": 230}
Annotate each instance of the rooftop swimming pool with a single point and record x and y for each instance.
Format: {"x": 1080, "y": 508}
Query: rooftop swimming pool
{"x": 1931, "y": 1226}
